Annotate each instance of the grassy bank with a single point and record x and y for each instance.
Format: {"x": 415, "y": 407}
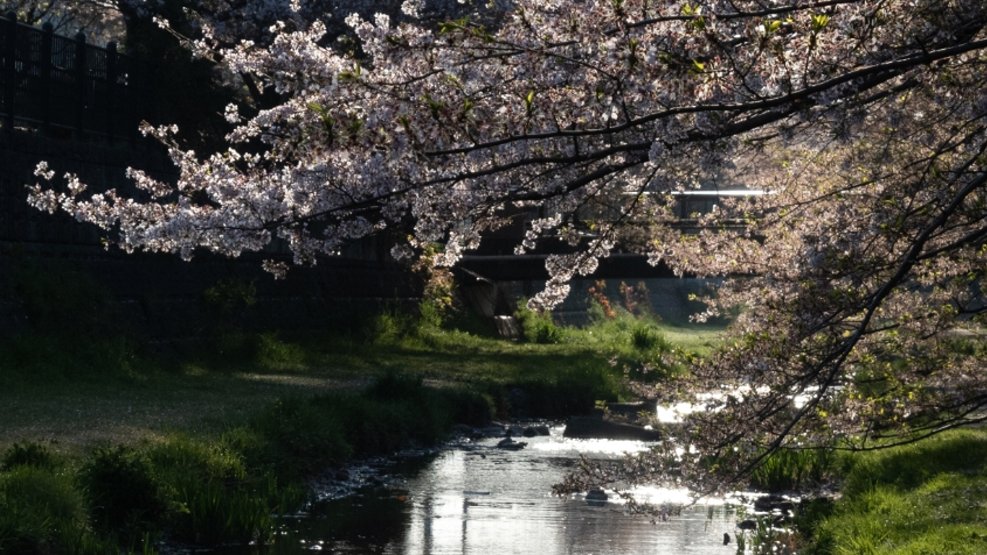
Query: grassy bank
{"x": 212, "y": 489}
{"x": 927, "y": 498}
{"x": 924, "y": 498}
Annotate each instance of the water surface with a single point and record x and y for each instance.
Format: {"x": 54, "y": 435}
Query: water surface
{"x": 473, "y": 498}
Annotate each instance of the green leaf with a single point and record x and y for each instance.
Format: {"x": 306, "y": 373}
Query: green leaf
{"x": 351, "y": 74}
{"x": 453, "y": 80}
{"x": 698, "y": 22}
{"x": 453, "y": 25}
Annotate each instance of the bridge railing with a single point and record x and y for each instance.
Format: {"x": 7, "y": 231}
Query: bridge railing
{"x": 60, "y": 86}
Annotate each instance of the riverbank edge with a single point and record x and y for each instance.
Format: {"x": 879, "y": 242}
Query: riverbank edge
{"x": 220, "y": 488}
{"x": 924, "y": 497}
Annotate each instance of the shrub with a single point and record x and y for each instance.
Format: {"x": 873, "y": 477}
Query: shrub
{"x": 572, "y": 392}
{"x": 125, "y": 500}
{"x": 298, "y": 438}
{"x": 425, "y": 413}
{"x": 230, "y": 297}
{"x": 635, "y": 344}
{"x": 471, "y": 407}
{"x": 372, "y": 427}
{"x": 394, "y": 410}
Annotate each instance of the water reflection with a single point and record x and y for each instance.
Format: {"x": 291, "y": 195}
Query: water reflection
{"x": 490, "y": 501}
{"x": 477, "y": 499}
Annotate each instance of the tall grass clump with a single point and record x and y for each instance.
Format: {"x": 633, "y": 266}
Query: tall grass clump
{"x": 796, "y": 470}
{"x": 390, "y": 327}
{"x": 558, "y": 394}
{"x": 213, "y": 496}
{"x": 41, "y": 512}
{"x": 537, "y": 327}
{"x": 908, "y": 467}
{"x": 27, "y": 454}
{"x": 214, "y": 491}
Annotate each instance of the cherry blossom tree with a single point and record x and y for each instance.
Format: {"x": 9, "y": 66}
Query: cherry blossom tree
{"x": 100, "y": 20}
{"x": 855, "y": 273}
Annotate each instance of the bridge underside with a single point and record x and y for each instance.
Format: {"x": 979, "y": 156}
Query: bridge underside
{"x": 532, "y": 267}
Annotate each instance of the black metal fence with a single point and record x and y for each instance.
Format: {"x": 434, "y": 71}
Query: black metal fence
{"x": 59, "y": 85}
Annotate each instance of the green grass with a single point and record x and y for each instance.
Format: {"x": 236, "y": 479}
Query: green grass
{"x": 94, "y": 391}
{"x": 928, "y": 498}
{"x": 207, "y": 489}
{"x": 40, "y": 507}
{"x": 796, "y": 470}
{"x": 643, "y": 348}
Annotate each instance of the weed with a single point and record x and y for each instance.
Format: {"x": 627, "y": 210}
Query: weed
{"x": 646, "y": 338}
{"x": 187, "y": 461}
{"x": 390, "y": 328}
{"x": 214, "y": 513}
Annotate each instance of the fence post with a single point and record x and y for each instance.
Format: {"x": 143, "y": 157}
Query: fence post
{"x": 46, "y": 39}
{"x": 9, "y": 70}
{"x": 81, "y": 75}
{"x": 111, "y": 88}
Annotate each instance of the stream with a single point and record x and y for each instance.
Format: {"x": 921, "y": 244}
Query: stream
{"x": 473, "y": 498}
